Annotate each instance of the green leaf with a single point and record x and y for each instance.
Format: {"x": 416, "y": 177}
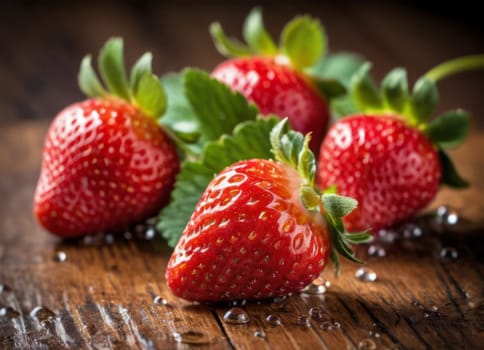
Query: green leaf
{"x": 218, "y": 109}
{"x": 111, "y": 67}
{"x": 225, "y": 46}
{"x": 450, "y": 177}
{"x": 358, "y": 237}
{"x": 330, "y": 88}
{"x": 303, "y": 40}
{"x": 292, "y": 147}
{"x": 179, "y": 116}
{"x": 338, "y": 66}
{"x": 142, "y": 65}
{"x": 150, "y": 96}
{"x": 423, "y": 100}
{"x": 363, "y": 90}
{"x": 88, "y": 81}
{"x": 450, "y": 129}
{"x": 338, "y": 206}
{"x": 395, "y": 89}
{"x": 196, "y": 175}
{"x": 256, "y": 35}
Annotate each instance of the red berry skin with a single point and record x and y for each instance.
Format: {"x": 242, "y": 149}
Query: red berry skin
{"x": 277, "y": 88}
{"x": 249, "y": 237}
{"x": 389, "y": 167}
{"x": 105, "y": 165}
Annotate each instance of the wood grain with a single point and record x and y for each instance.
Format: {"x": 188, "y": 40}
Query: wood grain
{"x": 103, "y": 295}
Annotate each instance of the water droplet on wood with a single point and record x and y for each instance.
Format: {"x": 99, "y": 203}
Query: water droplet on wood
{"x": 150, "y": 233}
{"x": 316, "y": 312}
{"x": 434, "y": 308}
{"x": 236, "y": 315}
{"x": 326, "y": 326}
{"x": 336, "y": 325}
{"x": 42, "y": 314}
{"x": 273, "y": 320}
{"x": 376, "y": 250}
{"x": 449, "y": 253}
{"x": 366, "y": 344}
{"x": 60, "y": 256}
{"x": 4, "y": 288}
{"x": 259, "y": 334}
{"x": 314, "y": 289}
{"x": 8, "y": 312}
{"x": 160, "y": 301}
{"x": 192, "y": 337}
{"x": 366, "y": 275}
{"x": 303, "y": 321}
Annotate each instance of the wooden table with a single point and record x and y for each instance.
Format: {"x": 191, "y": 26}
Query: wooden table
{"x": 102, "y": 293}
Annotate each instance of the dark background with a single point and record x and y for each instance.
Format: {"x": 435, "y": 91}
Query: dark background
{"x": 42, "y": 42}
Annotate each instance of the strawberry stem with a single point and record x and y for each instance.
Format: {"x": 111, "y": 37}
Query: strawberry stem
{"x": 454, "y": 66}
{"x": 292, "y": 148}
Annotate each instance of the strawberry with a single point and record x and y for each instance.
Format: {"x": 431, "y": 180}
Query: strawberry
{"x": 106, "y": 161}
{"x": 261, "y": 228}
{"x": 277, "y": 79}
{"x": 389, "y": 156}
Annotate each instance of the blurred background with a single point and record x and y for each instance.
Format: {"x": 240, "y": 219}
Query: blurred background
{"x": 42, "y": 42}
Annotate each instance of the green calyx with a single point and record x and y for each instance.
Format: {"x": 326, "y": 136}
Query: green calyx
{"x": 292, "y": 148}
{"x": 142, "y": 89}
{"x": 303, "y": 40}
{"x": 394, "y": 97}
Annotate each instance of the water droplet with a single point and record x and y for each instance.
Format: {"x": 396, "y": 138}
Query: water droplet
{"x": 376, "y": 335}
{"x": 367, "y": 344}
{"x": 60, "y": 256}
{"x": 418, "y": 305}
{"x": 314, "y": 289}
{"x": 376, "y": 250}
{"x": 160, "y": 301}
{"x": 449, "y": 253}
{"x": 426, "y": 315}
{"x": 236, "y": 315}
{"x": 192, "y": 337}
{"x": 273, "y": 320}
{"x": 326, "y": 326}
{"x": 259, "y": 334}
{"x": 8, "y": 312}
{"x": 316, "y": 312}
{"x": 434, "y": 308}
{"x": 387, "y": 235}
{"x": 90, "y": 240}
{"x": 366, "y": 275}
{"x": 109, "y": 238}
{"x": 4, "y": 288}
{"x": 242, "y": 302}
{"x": 445, "y": 216}
{"x": 303, "y": 321}
{"x": 336, "y": 325}
{"x": 150, "y": 233}
{"x": 280, "y": 299}
{"x": 42, "y": 314}
{"x": 411, "y": 230}
{"x": 327, "y": 284}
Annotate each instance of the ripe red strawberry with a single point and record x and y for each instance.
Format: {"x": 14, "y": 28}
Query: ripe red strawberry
{"x": 276, "y": 79}
{"x": 260, "y": 229}
{"x": 106, "y": 161}
{"x": 389, "y": 157}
